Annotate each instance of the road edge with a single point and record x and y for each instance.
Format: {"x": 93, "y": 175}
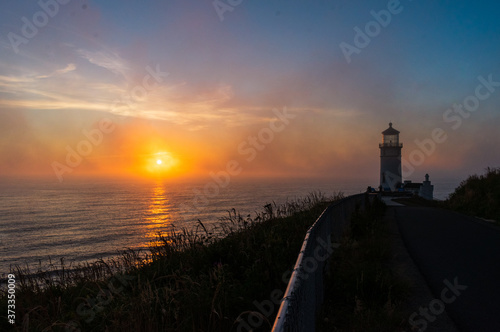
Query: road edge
{"x": 405, "y": 267}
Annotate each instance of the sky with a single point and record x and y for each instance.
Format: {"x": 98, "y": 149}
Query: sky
{"x": 189, "y": 88}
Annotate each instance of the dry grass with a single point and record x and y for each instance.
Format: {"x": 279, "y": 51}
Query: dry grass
{"x": 190, "y": 280}
{"x": 363, "y": 293}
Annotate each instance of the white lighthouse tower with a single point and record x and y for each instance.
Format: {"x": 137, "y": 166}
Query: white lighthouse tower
{"x": 390, "y": 160}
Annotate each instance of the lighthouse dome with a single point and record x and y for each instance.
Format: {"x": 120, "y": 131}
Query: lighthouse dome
{"x": 390, "y": 130}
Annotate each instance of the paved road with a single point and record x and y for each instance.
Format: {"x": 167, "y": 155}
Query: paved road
{"x": 464, "y": 252}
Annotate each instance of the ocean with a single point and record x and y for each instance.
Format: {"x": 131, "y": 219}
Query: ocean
{"x": 43, "y": 221}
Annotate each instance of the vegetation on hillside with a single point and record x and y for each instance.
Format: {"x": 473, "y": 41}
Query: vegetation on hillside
{"x": 205, "y": 280}
{"x": 479, "y": 195}
{"x": 363, "y": 293}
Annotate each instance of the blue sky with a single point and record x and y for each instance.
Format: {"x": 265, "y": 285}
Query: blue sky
{"x": 225, "y": 77}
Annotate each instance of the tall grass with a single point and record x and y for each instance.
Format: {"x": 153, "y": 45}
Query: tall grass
{"x": 190, "y": 280}
{"x": 363, "y": 294}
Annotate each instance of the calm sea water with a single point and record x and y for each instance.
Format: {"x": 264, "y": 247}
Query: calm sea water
{"x": 88, "y": 220}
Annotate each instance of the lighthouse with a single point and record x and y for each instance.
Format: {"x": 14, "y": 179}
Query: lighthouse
{"x": 390, "y": 160}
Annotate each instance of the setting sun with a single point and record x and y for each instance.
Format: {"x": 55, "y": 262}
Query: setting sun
{"x": 161, "y": 164}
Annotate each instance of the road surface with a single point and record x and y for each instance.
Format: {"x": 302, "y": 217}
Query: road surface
{"x": 459, "y": 256}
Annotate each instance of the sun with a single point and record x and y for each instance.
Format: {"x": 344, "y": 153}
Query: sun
{"x": 161, "y": 164}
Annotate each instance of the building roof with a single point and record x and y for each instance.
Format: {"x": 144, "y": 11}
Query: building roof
{"x": 390, "y": 130}
{"x": 412, "y": 185}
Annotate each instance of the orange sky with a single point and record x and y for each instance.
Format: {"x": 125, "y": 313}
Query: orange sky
{"x": 200, "y": 92}
{"x": 103, "y": 144}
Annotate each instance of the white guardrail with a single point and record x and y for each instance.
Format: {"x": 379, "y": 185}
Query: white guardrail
{"x": 305, "y": 290}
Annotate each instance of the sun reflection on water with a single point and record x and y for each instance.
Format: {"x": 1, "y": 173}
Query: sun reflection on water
{"x": 158, "y": 217}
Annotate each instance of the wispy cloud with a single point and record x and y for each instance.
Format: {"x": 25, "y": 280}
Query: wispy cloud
{"x": 5, "y": 80}
{"x": 69, "y": 68}
{"x": 108, "y": 60}
{"x": 5, "y": 45}
{"x": 41, "y": 104}
{"x": 31, "y": 89}
{"x": 15, "y": 81}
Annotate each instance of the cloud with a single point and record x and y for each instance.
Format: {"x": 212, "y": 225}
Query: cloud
{"x": 18, "y": 83}
{"x": 5, "y": 45}
{"x": 53, "y": 105}
{"x": 5, "y": 80}
{"x": 32, "y": 89}
{"x": 108, "y": 60}
{"x": 69, "y": 68}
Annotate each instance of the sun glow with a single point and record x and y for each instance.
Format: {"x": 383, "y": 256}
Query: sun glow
{"x": 161, "y": 164}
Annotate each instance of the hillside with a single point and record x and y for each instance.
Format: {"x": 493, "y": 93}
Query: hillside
{"x": 479, "y": 195}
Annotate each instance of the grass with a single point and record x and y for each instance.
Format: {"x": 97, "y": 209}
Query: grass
{"x": 363, "y": 293}
{"x": 191, "y": 280}
{"x": 478, "y": 195}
